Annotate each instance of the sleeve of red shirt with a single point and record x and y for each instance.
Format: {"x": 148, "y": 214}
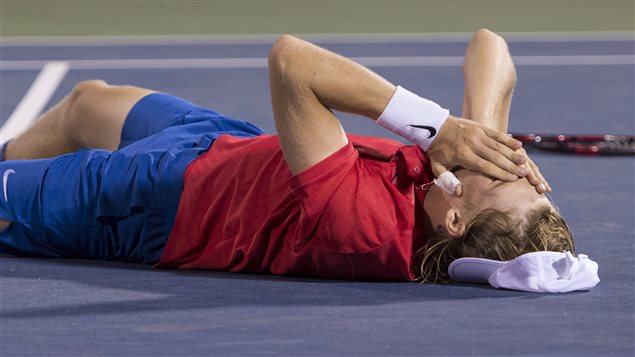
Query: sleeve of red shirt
{"x": 349, "y": 209}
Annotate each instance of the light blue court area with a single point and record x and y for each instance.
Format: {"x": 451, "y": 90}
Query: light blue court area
{"x": 565, "y": 85}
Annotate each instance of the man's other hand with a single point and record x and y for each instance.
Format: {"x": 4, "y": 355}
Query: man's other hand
{"x": 471, "y": 145}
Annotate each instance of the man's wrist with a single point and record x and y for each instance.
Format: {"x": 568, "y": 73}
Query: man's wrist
{"x": 412, "y": 117}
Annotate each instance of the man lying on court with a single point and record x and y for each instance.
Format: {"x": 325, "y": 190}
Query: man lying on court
{"x": 128, "y": 174}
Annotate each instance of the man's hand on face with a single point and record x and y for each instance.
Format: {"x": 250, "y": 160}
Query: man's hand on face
{"x": 465, "y": 143}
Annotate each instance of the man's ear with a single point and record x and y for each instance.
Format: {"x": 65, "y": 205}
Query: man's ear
{"x": 454, "y": 223}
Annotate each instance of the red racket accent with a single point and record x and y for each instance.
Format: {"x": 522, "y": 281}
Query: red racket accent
{"x": 580, "y": 144}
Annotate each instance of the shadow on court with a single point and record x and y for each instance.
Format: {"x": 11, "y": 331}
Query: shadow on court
{"x": 183, "y": 290}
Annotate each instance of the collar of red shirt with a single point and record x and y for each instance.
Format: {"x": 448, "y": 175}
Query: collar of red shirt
{"x": 413, "y": 167}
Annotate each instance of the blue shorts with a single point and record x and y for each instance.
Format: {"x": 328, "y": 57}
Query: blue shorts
{"x": 117, "y": 205}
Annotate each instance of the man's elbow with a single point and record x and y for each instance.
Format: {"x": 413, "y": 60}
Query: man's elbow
{"x": 486, "y": 37}
{"x": 283, "y": 54}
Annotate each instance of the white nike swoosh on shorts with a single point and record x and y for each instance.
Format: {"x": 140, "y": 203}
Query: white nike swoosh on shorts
{"x": 5, "y": 178}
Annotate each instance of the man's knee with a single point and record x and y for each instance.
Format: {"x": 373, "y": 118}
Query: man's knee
{"x": 88, "y": 85}
{"x": 82, "y": 105}
{"x": 82, "y": 88}
{"x": 79, "y": 99}
{"x": 96, "y": 112}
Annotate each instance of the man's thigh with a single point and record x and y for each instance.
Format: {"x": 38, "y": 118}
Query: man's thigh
{"x": 152, "y": 114}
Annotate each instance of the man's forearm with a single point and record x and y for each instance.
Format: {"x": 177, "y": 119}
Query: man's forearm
{"x": 490, "y": 78}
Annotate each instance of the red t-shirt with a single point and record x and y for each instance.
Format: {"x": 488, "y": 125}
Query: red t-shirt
{"x": 353, "y": 215}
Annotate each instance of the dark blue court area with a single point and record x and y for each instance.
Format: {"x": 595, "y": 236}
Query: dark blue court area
{"x": 91, "y": 308}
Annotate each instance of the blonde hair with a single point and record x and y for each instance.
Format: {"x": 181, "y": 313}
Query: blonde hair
{"x": 497, "y": 235}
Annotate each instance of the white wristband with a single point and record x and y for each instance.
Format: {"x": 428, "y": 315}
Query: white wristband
{"x": 412, "y": 117}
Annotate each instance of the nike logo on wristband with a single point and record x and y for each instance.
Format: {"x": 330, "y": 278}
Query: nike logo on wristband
{"x": 432, "y": 130}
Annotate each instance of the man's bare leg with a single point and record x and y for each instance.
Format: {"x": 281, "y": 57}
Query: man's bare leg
{"x": 91, "y": 116}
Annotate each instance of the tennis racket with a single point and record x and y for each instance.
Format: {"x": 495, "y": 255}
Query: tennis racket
{"x": 594, "y": 145}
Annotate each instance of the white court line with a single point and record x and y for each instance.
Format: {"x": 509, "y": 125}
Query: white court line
{"x": 345, "y": 38}
{"x": 35, "y": 99}
{"x": 412, "y": 61}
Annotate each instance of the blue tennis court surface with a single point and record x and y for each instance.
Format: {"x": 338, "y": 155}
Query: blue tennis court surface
{"x": 76, "y": 307}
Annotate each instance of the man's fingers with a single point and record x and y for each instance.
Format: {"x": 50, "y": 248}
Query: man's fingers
{"x": 535, "y": 181}
{"x": 501, "y": 156}
{"x": 458, "y": 191}
{"x": 482, "y": 165}
{"x": 508, "y": 146}
{"x": 503, "y": 138}
{"x": 533, "y": 178}
{"x": 438, "y": 168}
{"x": 514, "y": 158}
{"x": 541, "y": 184}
